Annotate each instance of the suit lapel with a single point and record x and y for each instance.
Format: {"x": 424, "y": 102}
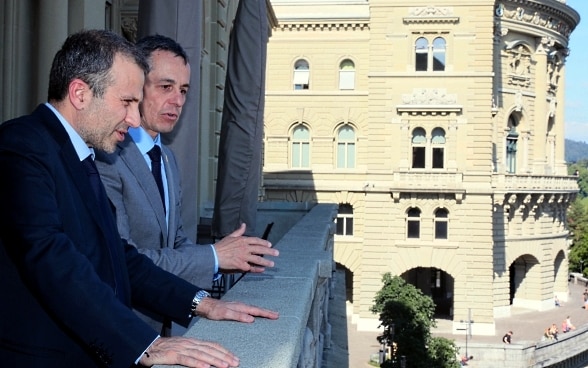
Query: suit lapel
{"x": 134, "y": 160}
{"x": 171, "y": 208}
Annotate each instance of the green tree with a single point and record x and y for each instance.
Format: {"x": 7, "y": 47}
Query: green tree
{"x": 578, "y": 225}
{"x": 407, "y": 317}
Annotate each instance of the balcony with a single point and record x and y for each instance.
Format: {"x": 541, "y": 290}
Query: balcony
{"x": 298, "y": 287}
{"x": 534, "y": 183}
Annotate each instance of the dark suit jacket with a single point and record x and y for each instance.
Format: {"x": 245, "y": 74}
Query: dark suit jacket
{"x": 58, "y": 308}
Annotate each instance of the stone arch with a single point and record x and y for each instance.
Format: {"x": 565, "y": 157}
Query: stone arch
{"x": 437, "y": 284}
{"x": 525, "y": 281}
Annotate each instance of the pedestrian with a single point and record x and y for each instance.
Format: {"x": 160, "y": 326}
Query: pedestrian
{"x": 569, "y": 324}
{"x": 507, "y": 337}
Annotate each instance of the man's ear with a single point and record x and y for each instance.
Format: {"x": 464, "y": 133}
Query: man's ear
{"x": 79, "y": 93}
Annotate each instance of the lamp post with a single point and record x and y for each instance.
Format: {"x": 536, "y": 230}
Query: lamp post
{"x": 468, "y": 329}
{"x": 582, "y": 267}
{"x": 386, "y": 341}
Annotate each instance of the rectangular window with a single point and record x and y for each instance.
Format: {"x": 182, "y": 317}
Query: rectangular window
{"x": 349, "y": 226}
{"x": 344, "y": 225}
{"x": 418, "y": 157}
{"x": 421, "y": 61}
{"x": 414, "y": 229}
{"x": 301, "y": 78}
{"x": 441, "y": 230}
{"x": 347, "y": 79}
{"x": 438, "y": 158}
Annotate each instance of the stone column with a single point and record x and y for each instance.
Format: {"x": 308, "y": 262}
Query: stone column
{"x": 53, "y": 30}
{"x": 539, "y": 163}
{"x": 559, "y": 126}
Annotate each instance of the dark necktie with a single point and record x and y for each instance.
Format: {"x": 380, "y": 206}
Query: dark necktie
{"x": 112, "y": 237}
{"x": 94, "y": 177}
{"x": 155, "y": 156}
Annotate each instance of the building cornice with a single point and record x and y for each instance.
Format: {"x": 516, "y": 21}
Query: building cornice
{"x": 323, "y": 26}
{"x": 552, "y": 16}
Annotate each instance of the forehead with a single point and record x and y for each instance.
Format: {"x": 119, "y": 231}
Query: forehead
{"x": 128, "y": 77}
{"x": 167, "y": 65}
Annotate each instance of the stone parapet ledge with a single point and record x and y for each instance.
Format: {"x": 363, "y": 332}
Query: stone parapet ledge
{"x": 298, "y": 287}
{"x": 569, "y": 351}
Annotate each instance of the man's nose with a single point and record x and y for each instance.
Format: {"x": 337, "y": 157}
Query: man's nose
{"x": 133, "y": 117}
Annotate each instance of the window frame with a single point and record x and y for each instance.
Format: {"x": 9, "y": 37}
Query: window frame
{"x": 345, "y": 148}
{"x": 413, "y": 223}
{"x": 430, "y": 53}
{"x": 347, "y": 75}
{"x": 301, "y": 76}
{"x": 344, "y": 221}
{"x": 441, "y": 224}
{"x": 300, "y": 148}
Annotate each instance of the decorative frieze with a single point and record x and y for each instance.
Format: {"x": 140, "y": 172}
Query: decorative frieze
{"x": 431, "y": 14}
{"x": 429, "y": 101}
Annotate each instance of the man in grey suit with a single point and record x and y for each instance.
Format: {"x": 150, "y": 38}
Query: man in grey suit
{"x": 149, "y": 217}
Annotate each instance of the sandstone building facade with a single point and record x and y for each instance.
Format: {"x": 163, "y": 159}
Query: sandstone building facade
{"x": 438, "y": 128}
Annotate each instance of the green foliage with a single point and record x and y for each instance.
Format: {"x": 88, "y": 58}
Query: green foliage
{"x": 411, "y": 313}
{"x": 443, "y": 353}
{"x": 578, "y": 225}
{"x": 575, "y": 150}
{"x": 581, "y": 167}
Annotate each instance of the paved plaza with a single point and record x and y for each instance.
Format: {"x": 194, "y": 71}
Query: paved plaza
{"x": 352, "y": 349}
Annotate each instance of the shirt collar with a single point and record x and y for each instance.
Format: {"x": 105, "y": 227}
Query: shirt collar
{"x": 143, "y": 140}
{"x": 80, "y": 146}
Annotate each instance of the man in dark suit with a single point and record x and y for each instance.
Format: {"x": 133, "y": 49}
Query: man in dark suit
{"x": 68, "y": 281}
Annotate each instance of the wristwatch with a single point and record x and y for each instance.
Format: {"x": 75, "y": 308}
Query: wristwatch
{"x": 197, "y": 299}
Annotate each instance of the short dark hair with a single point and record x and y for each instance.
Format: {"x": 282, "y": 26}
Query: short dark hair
{"x": 149, "y": 44}
{"x": 89, "y": 56}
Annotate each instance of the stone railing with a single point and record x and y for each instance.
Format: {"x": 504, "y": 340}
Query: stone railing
{"x": 535, "y": 183}
{"x": 298, "y": 287}
{"x": 569, "y": 351}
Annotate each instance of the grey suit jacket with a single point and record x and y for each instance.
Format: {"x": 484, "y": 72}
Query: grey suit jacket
{"x": 141, "y": 218}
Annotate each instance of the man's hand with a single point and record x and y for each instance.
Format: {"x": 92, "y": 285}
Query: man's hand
{"x": 188, "y": 352}
{"x": 238, "y": 253}
{"x": 217, "y": 310}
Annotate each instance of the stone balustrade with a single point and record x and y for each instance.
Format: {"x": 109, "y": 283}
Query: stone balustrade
{"x": 569, "y": 351}
{"x": 298, "y": 287}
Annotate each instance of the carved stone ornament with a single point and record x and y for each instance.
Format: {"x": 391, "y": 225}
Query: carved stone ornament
{"x": 429, "y": 96}
{"x": 431, "y": 14}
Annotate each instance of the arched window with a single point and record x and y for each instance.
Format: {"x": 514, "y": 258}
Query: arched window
{"x": 346, "y": 147}
{"x": 430, "y": 56}
{"x": 439, "y": 54}
{"x": 421, "y": 54}
{"x": 300, "y": 147}
{"x": 419, "y": 141}
{"x": 301, "y": 74}
{"x": 511, "y": 145}
{"x": 413, "y": 223}
{"x": 438, "y": 144}
{"x": 346, "y": 75}
{"x": 441, "y": 218}
{"x": 345, "y": 219}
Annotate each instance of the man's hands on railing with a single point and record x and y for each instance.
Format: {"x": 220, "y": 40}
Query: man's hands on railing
{"x": 217, "y": 310}
{"x": 188, "y": 352}
{"x": 238, "y": 253}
